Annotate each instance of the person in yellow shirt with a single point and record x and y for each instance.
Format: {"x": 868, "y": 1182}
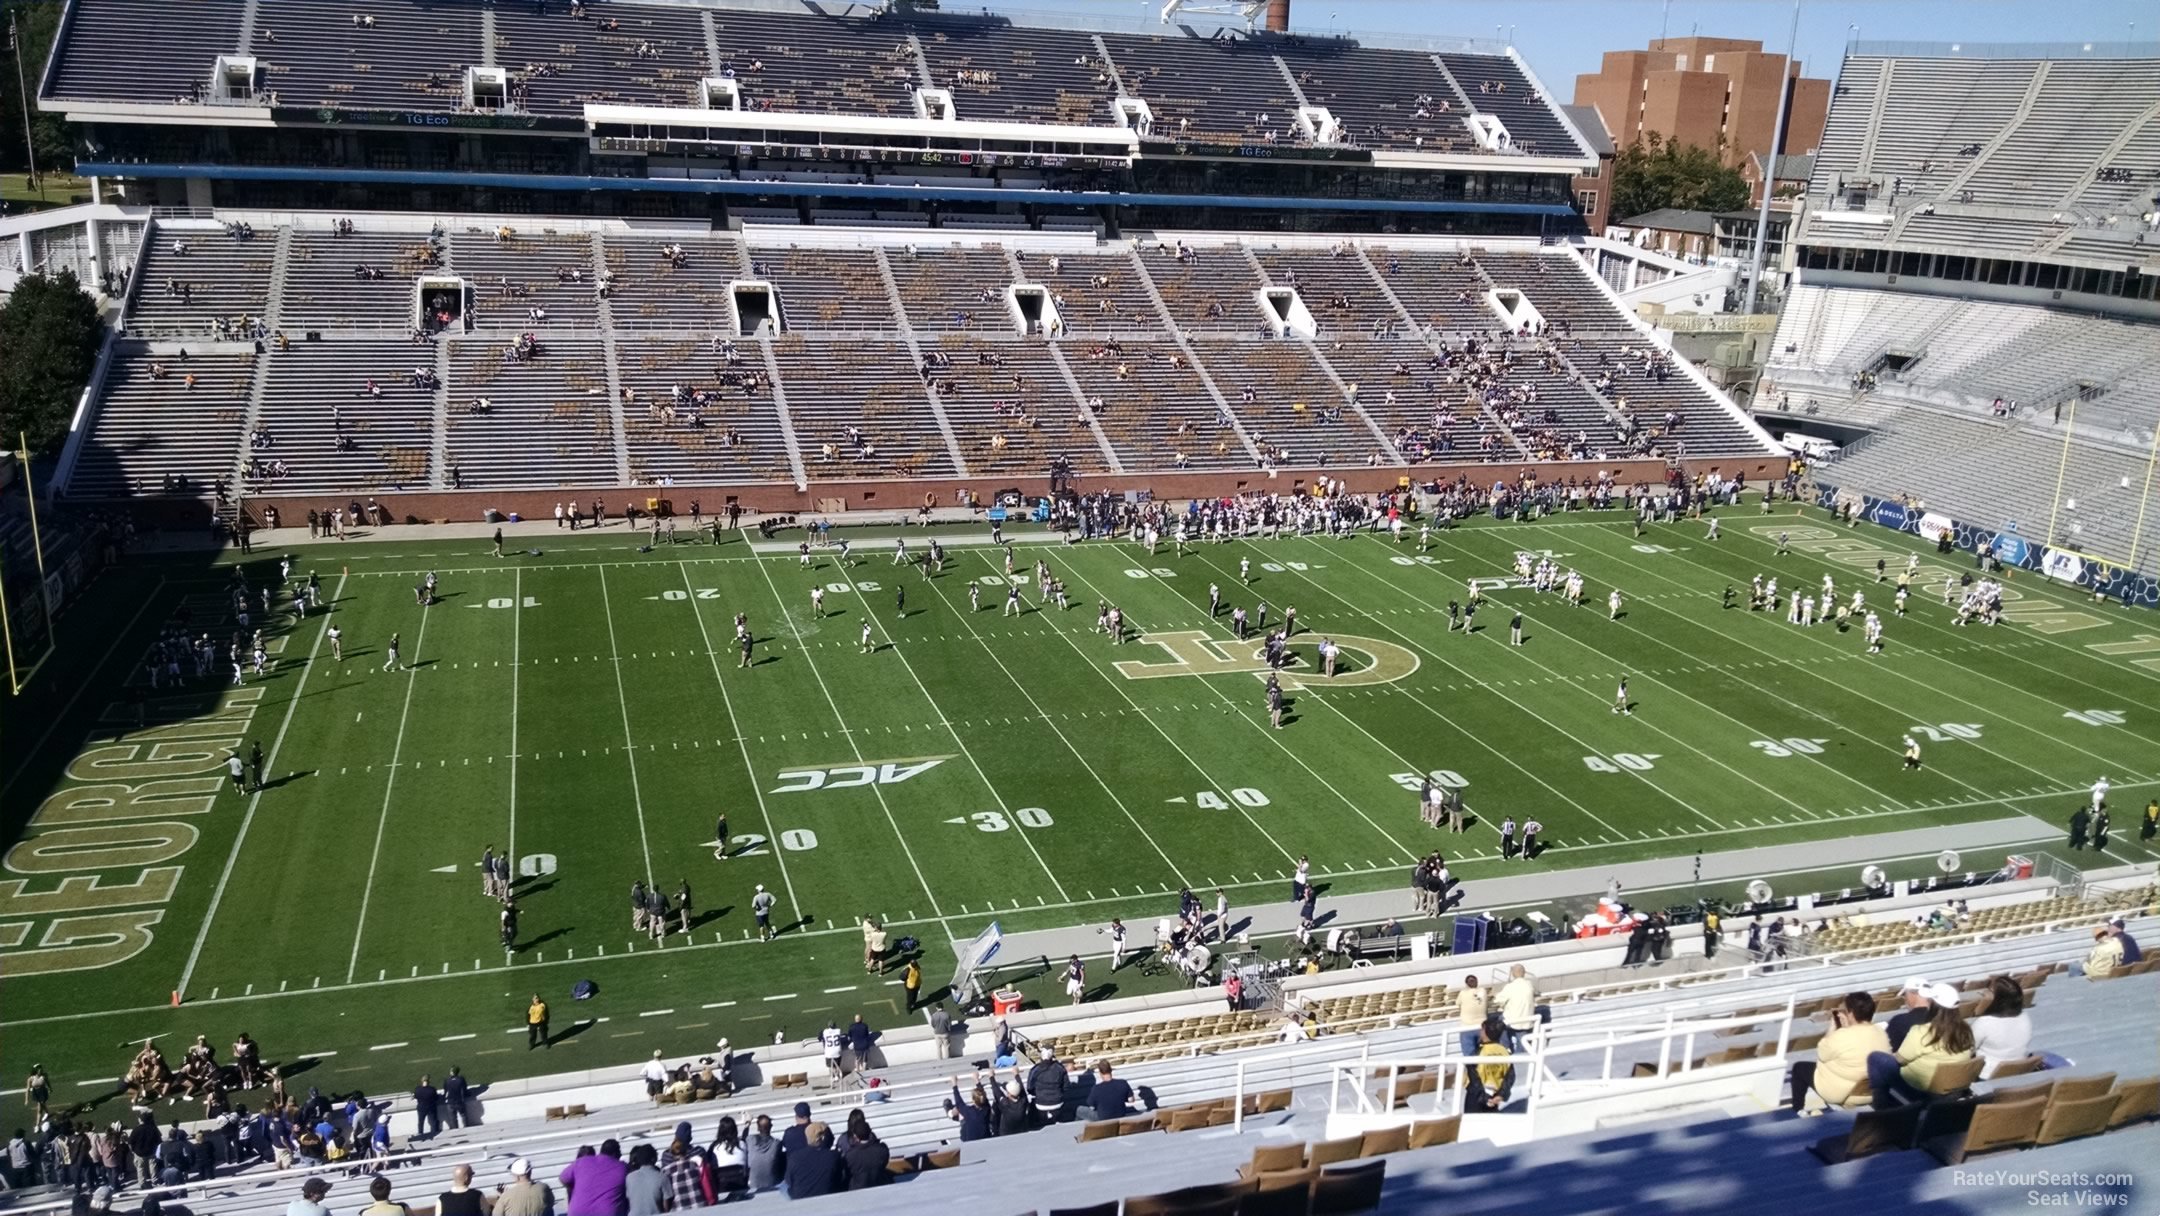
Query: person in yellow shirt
{"x": 1490, "y": 1084}
{"x": 1942, "y": 1038}
{"x": 536, "y": 1024}
{"x": 2105, "y": 958}
{"x": 1838, "y": 1075}
{"x": 1470, "y": 1005}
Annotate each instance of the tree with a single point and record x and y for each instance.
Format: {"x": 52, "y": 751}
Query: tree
{"x": 49, "y": 339}
{"x": 1657, "y": 173}
{"x": 36, "y": 23}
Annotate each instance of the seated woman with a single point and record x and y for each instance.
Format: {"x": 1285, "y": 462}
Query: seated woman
{"x": 2002, "y": 1031}
{"x": 1942, "y": 1038}
{"x": 1838, "y": 1076}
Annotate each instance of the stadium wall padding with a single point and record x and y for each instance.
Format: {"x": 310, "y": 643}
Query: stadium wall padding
{"x": 2012, "y": 549}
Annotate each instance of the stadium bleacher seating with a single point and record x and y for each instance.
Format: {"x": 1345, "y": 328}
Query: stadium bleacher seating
{"x": 1149, "y": 372}
{"x": 1014, "y": 73}
{"x": 647, "y": 56}
{"x": 151, "y": 428}
{"x": 1375, "y": 93}
{"x": 1224, "y": 89}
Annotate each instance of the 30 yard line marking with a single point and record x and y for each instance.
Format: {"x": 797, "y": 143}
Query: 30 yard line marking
{"x": 757, "y": 787}
{"x": 397, "y": 748}
{"x": 966, "y": 619}
{"x": 217, "y": 893}
{"x": 622, "y": 698}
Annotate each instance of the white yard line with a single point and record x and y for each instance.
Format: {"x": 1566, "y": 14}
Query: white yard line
{"x": 2015, "y": 724}
{"x": 217, "y": 894}
{"x": 1117, "y": 687}
{"x": 780, "y": 605}
{"x": 397, "y": 749}
{"x": 1026, "y": 837}
{"x": 757, "y": 787}
{"x": 966, "y": 619}
{"x": 517, "y": 619}
{"x": 622, "y": 698}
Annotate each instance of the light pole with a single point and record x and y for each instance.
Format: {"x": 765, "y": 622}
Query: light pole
{"x": 1770, "y": 166}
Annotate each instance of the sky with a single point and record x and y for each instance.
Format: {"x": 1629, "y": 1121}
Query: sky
{"x": 1565, "y": 38}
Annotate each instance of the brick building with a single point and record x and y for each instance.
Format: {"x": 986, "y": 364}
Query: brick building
{"x": 1718, "y": 93}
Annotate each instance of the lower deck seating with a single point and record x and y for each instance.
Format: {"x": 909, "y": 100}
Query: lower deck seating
{"x": 185, "y": 423}
{"x": 1294, "y": 412}
{"x": 334, "y": 434}
{"x": 655, "y": 291}
{"x": 191, "y": 278}
{"x": 859, "y": 409}
{"x": 324, "y": 288}
{"x": 1011, "y": 409}
{"x": 513, "y": 273}
{"x": 1153, "y": 406}
{"x": 736, "y": 438}
{"x": 546, "y": 420}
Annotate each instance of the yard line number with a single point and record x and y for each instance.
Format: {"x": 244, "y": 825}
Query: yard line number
{"x": 794, "y": 840}
{"x": 2095, "y": 717}
{"x": 1622, "y": 761}
{"x": 1445, "y": 778}
{"x": 1947, "y": 731}
{"x": 1788, "y": 747}
{"x": 995, "y": 821}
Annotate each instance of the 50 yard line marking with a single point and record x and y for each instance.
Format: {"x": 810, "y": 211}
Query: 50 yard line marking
{"x": 217, "y": 894}
{"x": 397, "y": 748}
{"x": 622, "y": 698}
{"x": 757, "y": 787}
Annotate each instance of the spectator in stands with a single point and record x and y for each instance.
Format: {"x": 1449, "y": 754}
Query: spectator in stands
{"x": 379, "y": 1191}
{"x": 814, "y": 1168}
{"x": 972, "y": 1114}
{"x": 1470, "y": 1006}
{"x": 1046, "y": 1086}
{"x": 645, "y": 1188}
{"x": 1518, "y": 1005}
{"x": 595, "y": 1181}
{"x": 1942, "y": 1037}
{"x": 1488, "y": 1086}
{"x": 1838, "y": 1073}
{"x": 863, "y": 1162}
{"x": 1112, "y": 1097}
{"x": 2132, "y": 953}
{"x": 1914, "y": 995}
{"x": 310, "y": 1202}
{"x": 523, "y": 1196}
{"x": 763, "y": 1162}
{"x": 2105, "y": 958}
{"x": 2002, "y": 1031}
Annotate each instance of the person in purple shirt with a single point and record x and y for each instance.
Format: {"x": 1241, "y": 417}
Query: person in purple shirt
{"x": 595, "y": 1182}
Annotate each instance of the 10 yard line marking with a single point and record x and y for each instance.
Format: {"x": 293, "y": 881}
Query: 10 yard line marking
{"x": 397, "y": 748}
{"x": 217, "y": 894}
{"x": 622, "y": 698}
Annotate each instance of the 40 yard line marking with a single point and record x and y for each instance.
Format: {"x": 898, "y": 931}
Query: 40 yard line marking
{"x": 622, "y": 698}
{"x": 1062, "y": 737}
{"x": 217, "y": 894}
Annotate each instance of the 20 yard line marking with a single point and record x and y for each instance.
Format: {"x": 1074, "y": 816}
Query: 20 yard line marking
{"x": 217, "y": 894}
{"x": 853, "y": 746}
{"x": 397, "y": 748}
{"x": 622, "y": 698}
{"x": 757, "y": 788}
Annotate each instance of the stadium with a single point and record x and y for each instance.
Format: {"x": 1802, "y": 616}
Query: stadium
{"x": 1172, "y": 615}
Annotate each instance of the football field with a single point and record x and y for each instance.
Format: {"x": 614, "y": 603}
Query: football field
{"x": 585, "y": 709}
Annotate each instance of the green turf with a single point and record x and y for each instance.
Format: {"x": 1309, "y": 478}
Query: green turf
{"x": 584, "y": 708}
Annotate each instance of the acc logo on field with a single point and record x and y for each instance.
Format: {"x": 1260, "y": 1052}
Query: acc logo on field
{"x": 1194, "y": 653}
{"x": 847, "y": 776}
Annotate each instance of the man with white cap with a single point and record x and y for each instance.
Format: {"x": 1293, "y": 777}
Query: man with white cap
{"x": 1914, "y": 996}
{"x": 522, "y": 1196}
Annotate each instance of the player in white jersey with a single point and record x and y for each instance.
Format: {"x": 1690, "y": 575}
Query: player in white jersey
{"x": 1522, "y": 564}
{"x": 817, "y": 601}
{"x": 1612, "y": 605}
{"x": 1424, "y": 537}
{"x": 1829, "y": 589}
{"x": 1792, "y": 611}
{"x": 337, "y": 644}
{"x": 1873, "y": 627}
{"x": 1912, "y": 754}
{"x": 1949, "y": 588}
{"x": 1807, "y": 610}
{"x": 867, "y": 647}
{"x": 2099, "y": 795}
{"x": 1620, "y": 699}
{"x": 1859, "y": 601}
{"x": 1899, "y": 601}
